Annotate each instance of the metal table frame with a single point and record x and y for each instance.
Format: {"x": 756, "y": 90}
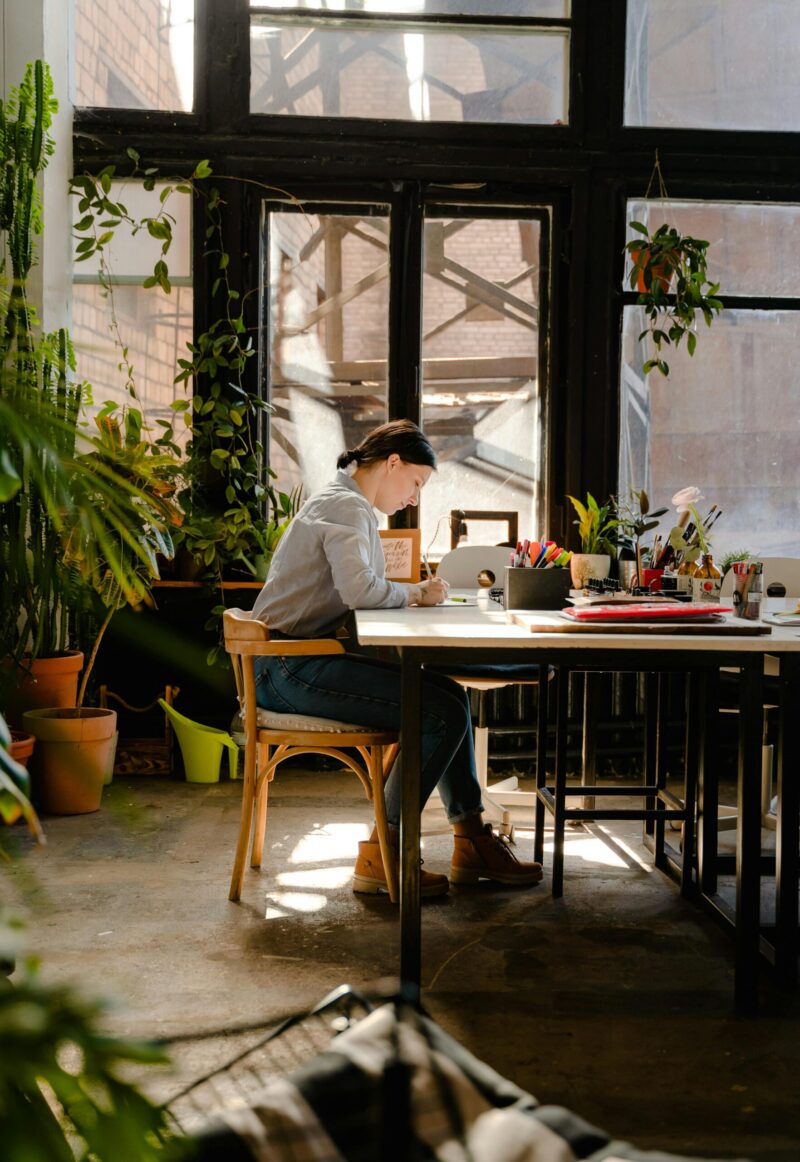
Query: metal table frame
{"x": 408, "y": 633}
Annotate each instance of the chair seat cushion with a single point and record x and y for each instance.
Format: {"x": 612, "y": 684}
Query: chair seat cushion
{"x": 273, "y": 720}
{"x": 502, "y": 673}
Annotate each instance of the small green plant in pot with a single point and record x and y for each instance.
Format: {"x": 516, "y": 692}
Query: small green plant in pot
{"x": 669, "y": 271}
{"x": 634, "y": 519}
{"x": 596, "y": 526}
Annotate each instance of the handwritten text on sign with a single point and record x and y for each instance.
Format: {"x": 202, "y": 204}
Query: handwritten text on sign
{"x": 401, "y": 553}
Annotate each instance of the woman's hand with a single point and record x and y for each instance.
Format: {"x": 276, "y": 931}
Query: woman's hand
{"x": 432, "y": 592}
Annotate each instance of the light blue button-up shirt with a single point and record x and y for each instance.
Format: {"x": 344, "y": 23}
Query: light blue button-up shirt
{"x": 328, "y": 562}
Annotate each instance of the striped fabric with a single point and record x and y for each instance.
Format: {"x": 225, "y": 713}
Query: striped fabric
{"x": 396, "y": 1088}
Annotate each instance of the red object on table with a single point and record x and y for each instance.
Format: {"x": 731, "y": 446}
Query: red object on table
{"x": 669, "y": 611}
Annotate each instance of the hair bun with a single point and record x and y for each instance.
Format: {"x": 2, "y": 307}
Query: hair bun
{"x": 347, "y": 458}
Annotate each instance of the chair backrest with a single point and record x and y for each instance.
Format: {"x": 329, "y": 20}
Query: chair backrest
{"x": 474, "y": 567}
{"x": 245, "y": 638}
{"x": 778, "y": 572}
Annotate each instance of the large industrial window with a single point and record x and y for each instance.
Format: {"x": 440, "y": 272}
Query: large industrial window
{"x": 482, "y": 312}
{"x": 453, "y": 62}
{"x": 728, "y": 418}
{"x": 153, "y": 326}
{"x": 713, "y": 64}
{"x": 136, "y": 55}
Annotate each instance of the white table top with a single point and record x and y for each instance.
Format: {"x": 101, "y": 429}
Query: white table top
{"x": 478, "y": 626}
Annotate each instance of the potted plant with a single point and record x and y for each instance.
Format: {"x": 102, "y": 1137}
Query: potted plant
{"x": 47, "y": 489}
{"x": 669, "y": 271}
{"x": 15, "y": 784}
{"x": 75, "y": 743}
{"x": 234, "y": 517}
{"x": 596, "y": 526}
{"x": 634, "y": 519}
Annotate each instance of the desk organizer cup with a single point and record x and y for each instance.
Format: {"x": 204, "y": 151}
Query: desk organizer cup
{"x": 747, "y": 586}
{"x": 536, "y": 588}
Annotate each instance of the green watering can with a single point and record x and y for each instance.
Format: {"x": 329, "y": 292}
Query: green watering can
{"x": 201, "y": 747}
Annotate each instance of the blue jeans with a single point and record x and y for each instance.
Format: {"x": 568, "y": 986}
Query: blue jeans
{"x": 358, "y": 689}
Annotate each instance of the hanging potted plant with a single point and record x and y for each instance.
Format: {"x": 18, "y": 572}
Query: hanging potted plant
{"x": 669, "y": 271}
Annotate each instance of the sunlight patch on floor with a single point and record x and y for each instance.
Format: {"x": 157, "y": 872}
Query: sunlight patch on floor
{"x": 591, "y": 849}
{"x": 329, "y": 841}
{"x": 294, "y": 902}
{"x": 320, "y": 878}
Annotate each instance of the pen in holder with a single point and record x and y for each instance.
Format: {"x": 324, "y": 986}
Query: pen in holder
{"x": 747, "y": 589}
{"x": 536, "y": 588}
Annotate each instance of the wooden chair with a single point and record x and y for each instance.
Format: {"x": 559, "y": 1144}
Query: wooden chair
{"x": 270, "y": 738}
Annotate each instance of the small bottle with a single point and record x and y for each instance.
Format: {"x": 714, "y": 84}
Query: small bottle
{"x": 683, "y": 576}
{"x": 706, "y": 580}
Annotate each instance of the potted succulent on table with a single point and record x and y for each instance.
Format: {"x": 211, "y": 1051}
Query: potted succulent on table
{"x": 669, "y": 271}
{"x": 596, "y": 525}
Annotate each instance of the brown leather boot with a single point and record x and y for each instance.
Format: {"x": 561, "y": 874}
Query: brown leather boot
{"x": 369, "y": 876}
{"x": 488, "y": 856}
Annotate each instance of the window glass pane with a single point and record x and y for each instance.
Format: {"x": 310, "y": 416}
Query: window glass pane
{"x": 329, "y": 317}
{"x": 323, "y": 69}
{"x": 131, "y": 257}
{"x": 755, "y": 249}
{"x": 726, "y": 420}
{"x": 481, "y": 375}
{"x": 137, "y": 55}
{"x": 705, "y": 64}
{"x": 155, "y": 327}
{"x": 544, "y": 8}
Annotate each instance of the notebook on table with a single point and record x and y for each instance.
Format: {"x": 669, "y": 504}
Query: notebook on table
{"x": 647, "y": 611}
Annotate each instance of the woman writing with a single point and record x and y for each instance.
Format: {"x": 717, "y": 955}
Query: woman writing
{"x": 330, "y": 562}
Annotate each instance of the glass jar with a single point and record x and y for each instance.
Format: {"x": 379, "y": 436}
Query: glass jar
{"x": 747, "y": 589}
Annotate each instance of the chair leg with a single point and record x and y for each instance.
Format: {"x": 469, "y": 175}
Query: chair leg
{"x": 245, "y": 825}
{"x": 377, "y": 767}
{"x": 260, "y": 808}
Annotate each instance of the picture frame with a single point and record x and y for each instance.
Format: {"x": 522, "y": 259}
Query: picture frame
{"x": 401, "y": 550}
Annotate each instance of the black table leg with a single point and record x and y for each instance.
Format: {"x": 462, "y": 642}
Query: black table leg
{"x": 541, "y": 763}
{"x": 787, "y": 837}
{"x": 747, "y": 936}
{"x": 708, "y": 790}
{"x": 411, "y": 734}
{"x": 559, "y": 822}
{"x": 591, "y": 698}
{"x": 652, "y": 827}
{"x": 696, "y": 721}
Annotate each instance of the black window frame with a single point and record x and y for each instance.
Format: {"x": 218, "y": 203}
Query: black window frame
{"x": 590, "y": 168}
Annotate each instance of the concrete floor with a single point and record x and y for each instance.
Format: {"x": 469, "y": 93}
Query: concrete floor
{"x": 615, "y": 1001}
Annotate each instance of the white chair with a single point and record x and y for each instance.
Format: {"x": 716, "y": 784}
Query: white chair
{"x": 474, "y": 567}
{"x": 478, "y": 567}
{"x": 780, "y": 577}
{"x": 781, "y": 574}
{"x": 271, "y": 737}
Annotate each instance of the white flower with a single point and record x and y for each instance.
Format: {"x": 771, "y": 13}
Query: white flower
{"x": 686, "y": 497}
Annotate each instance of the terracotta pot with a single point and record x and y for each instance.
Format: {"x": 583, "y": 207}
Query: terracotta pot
{"x": 21, "y": 747}
{"x": 72, "y": 757}
{"x": 21, "y": 750}
{"x": 660, "y": 274}
{"x": 45, "y": 682}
